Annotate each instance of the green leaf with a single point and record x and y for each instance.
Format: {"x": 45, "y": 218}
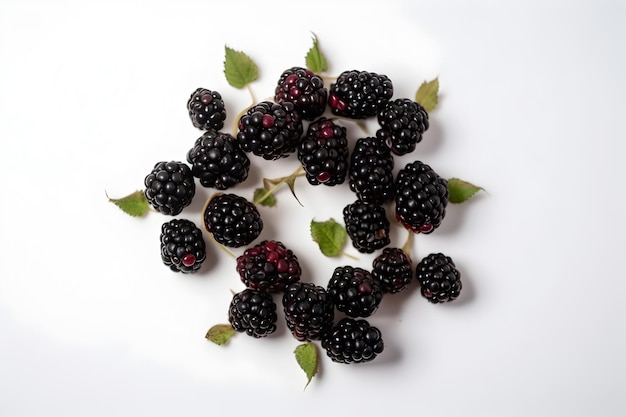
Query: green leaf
{"x": 220, "y": 334}
{"x": 264, "y": 197}
{"x": 315, "y": 60}
{"x": 308, "y": 359}
{"x": 135, "y": 204}
{"x": 428, "y": 94}
{"x": 330, "y": 236}
{"x": 239, "y": 69}
{"x": 461, "y": 191}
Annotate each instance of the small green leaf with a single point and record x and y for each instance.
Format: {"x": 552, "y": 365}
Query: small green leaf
{"x": 239, "y": 68}
{"x": 135, "y": 204}
{"x": 220, "y": 334}
{"x": 264, "y": 197}
{"x": 315, "y": 60}
{"x": 461, "y": 191}
{"x": 330, "y": 236}
{"x": 428, "y": 94}
{"x": 307, "y": 358}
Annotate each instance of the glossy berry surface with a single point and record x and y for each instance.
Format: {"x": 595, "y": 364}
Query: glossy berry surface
{"x": 232, "y": 220}
{"x": 253, "y": 312}
{"x": 353, "y": 341}
{"x": 170, "y": 187}
{"x": 439, "y": 279}
{"x": 182, "y": 246}
{"x": 304, "y": 89}
{"x": 206, "y": 109}
{"x": 355, "y": 291}
{"x": 323, "y": 153}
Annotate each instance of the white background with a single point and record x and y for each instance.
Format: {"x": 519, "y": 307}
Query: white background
{"x": 92, "y": 94}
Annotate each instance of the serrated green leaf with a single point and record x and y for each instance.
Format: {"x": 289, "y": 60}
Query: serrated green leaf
{"x": 461, "y": 191}
{"x": 220, "y": 334}
{"x": 239, "y": 68}
{"x": 330, "y": 236}
{"x": 264, "y": 197}
{"x": 135, "y": 204}
{"x": 428, "y": 94}
{"x": 315, "y": 60}
{"x": 308, "y": 359}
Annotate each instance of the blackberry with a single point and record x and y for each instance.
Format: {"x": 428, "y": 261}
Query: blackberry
{"x": 353, "y": 341}
{"x": 217, "y": 161}
{"x": 367, "y": 226}
{"x": 439, "y": 279}
{"x": 393, "y": 269}
{"x": 270, "y": 130}
{"x": 309, "y": 311}
{"x": 402, "y": 123}
{"x": 268, "y": 266}
{"x": 206, "y": 109}
{"x": 253, "y": 312}
{"x": 304, "y": 89}
{"x": 421, "y": 197}
{"x": 170, "y": 187}
{"x": 359, "y": 94}
{"x": 182, "y": 246}
{"x": 371, "y": 171}
{"x": 324, "y": 153}
{"x": 355, "y": 291}
{"x": 232, "y": 220}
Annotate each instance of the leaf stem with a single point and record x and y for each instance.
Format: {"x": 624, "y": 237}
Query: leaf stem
{"x": 299, "y": 172}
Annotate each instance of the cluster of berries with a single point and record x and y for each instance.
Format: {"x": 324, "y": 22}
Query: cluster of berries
{"x": 295, "y": 123}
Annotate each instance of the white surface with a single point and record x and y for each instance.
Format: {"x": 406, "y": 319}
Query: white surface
{"x": 532, "y": 105}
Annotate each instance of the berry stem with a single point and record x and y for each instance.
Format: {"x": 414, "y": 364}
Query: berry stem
{"x": 350, "y": 256}
{"x": 408, "y": 244}
{"x": 277, "y": 182}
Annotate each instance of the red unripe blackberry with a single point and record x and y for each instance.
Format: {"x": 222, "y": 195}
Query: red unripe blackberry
{"x": 304, "y": 89}
{"x": 268, "y": 266}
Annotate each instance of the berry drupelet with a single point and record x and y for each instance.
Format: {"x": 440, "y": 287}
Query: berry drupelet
{"x": 393, "y": 269}
{"x": 323, "y": 153}
{"x": 367, "y": 226}
{"x": 402, "y": 123}
{"x": 309, "y": 311}
{"x": 371, "y": 171}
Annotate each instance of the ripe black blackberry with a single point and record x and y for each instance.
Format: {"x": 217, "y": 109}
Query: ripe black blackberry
{"x": 367, "y": 226}
{"x": 371, "y": 171}
{"x": 439, "y": 279}
{"x": 323, "y": 153}
{"x": 353, "y": 341}
{"x": 170, "y": 187}
{"x": 217, "y": 160}
{"x": 270, "y": 130}
{"x": 253, "y": 312}
{"x": 206, "y": 109}
{"x": 421, "y": 197}
{"x": 402, "y": 123}
{"x": 304, "y": 89}
{"x": 393, "y": 269}
{"x": 232, "y": 220}
{"x": 309, "y": 311}
{"x": 359, "y": 94}
{"x": 182, "y": 246}
{"x": 268, "y": 266}
{"x": 355, "y": 291}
